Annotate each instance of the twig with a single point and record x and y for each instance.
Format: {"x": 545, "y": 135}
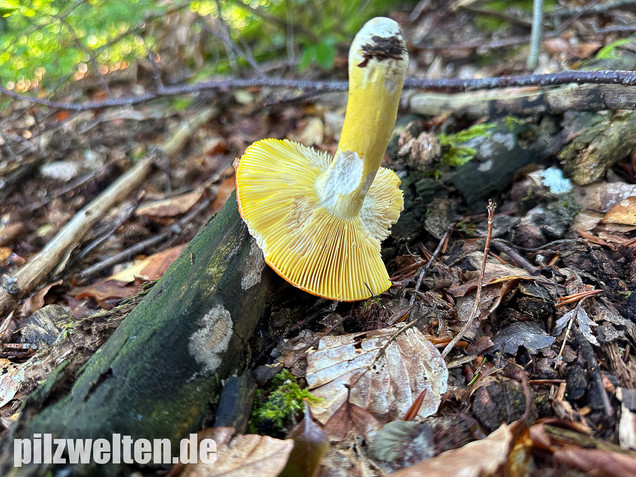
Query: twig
{"x": 587, "y": 10}
{"x": 588, "y": 355}
{"x": 130, "y": 252}
{"x": 28, "y": 277}
{"x": 515, "y": 257}
{"x": 424, "y": 269}
{"x": 615, "y": 29}
{"x": 576, "y": 16}
{"x": 522, "y": 22}
{"x": 610, "y": 77}
{"x": 449, "y": 347}
{"x": 66, "y": 239}
{"x": 122, "y": 256}
{"x": 535, "y": 34}
{"x": 529, "y": 101}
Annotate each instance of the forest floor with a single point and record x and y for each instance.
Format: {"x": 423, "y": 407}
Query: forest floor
{"x": 546, "y": 366}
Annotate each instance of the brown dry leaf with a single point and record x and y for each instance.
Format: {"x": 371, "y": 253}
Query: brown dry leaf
{"x": 310, "y": 444}
{"x": 351, "y": 418}
{"x": 596, "y": 198}
{"x": 172, "y": 206}
{"x": 386, "y": 371}
{"x": 150, "y": 268}
{"x": 225, "y": 190}
{"x": 478, "y": 458}
{"x": 494, "y": 273}
{"x": 106, "y": 290}
{"x": 586, "y": 49}
{"x": 126, "y": 283}
{"x": 623, "y": 213}
{"x": 596, "y": 462}
{"x": 36, "y": 301}
{"x": 240, "y": 455}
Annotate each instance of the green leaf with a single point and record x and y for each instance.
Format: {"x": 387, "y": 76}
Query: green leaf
{"x": 325, "y": 54}
{"x": 307, "y": 58}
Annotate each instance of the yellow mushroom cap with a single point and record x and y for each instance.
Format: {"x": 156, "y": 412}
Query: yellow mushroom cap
{"x": 302, "y": 241}
{"x": 319, "y": 221}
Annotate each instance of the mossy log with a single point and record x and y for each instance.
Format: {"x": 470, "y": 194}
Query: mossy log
{"x": 158, "y": 373}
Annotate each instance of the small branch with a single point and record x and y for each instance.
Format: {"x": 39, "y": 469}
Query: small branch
{"x": 624, "y": 78}
{"x": 535, "y": 34}
{"x": 86, "y": 51}
{"x": 515, "y": 257}
{"x": 449, "y": 347}
{"x": 424, "y": 269}
{"x": 594, "y": 369}
{"x": 593, "y": 10}
{"x": 29, "y": 276}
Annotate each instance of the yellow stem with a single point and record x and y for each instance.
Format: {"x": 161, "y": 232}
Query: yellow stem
{"x": 377, "y": 67}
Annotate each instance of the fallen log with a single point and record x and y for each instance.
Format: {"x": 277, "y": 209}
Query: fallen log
{"x": 158, "y": 372}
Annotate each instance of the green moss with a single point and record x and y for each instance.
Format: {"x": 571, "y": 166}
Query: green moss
{"x": 609, "y": 51}
{"x": 455, "y": 152}
{"x": 286, "y": 399}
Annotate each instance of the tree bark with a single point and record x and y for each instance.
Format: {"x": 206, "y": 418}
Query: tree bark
{"x": 159, "y": 372}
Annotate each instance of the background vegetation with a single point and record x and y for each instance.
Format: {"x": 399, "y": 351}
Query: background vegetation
{"x": 44, "y": 43}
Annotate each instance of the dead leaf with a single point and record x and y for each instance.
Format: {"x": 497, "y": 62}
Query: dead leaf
{"x": 150, "y": 268}
{"x": 623, "y": 213}
{"x": 478, "y": 458}
{"x": 596, "y": 198}
{"x": 310, "y": 444}
{"x": 36, "y": 301}
{"x": 583, "y": 320}
{"x": 127, "y": 282}
{"x": 172, "y": 206}
{"x": 352, "y": 418}
{"x": 386, "y": 370}
{"x": 596, "y": 462}
{"x": 225, "y": 190}
{"x": 106, "y": 290}
{"x": 239, "y": 455}
{"x": 524, "y": 333}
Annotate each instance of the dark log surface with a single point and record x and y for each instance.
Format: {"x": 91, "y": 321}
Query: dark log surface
{"x": 156, "y": 375}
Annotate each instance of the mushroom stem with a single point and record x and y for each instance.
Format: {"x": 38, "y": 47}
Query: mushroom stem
{"x": 377, "y": 67}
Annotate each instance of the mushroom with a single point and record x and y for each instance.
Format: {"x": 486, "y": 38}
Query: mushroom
{"x": 319, "y": 222}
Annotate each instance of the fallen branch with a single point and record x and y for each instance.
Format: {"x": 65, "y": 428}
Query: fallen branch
{"x": 29, "y": 276}
{"x": 624, "y": 78}
{"x": 449, "y": 347}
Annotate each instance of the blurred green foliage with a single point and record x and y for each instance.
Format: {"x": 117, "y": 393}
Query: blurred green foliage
{"x": 44, "y": 42}
{"x": 610, "y": 51}
{"x": 56, "y": 38}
